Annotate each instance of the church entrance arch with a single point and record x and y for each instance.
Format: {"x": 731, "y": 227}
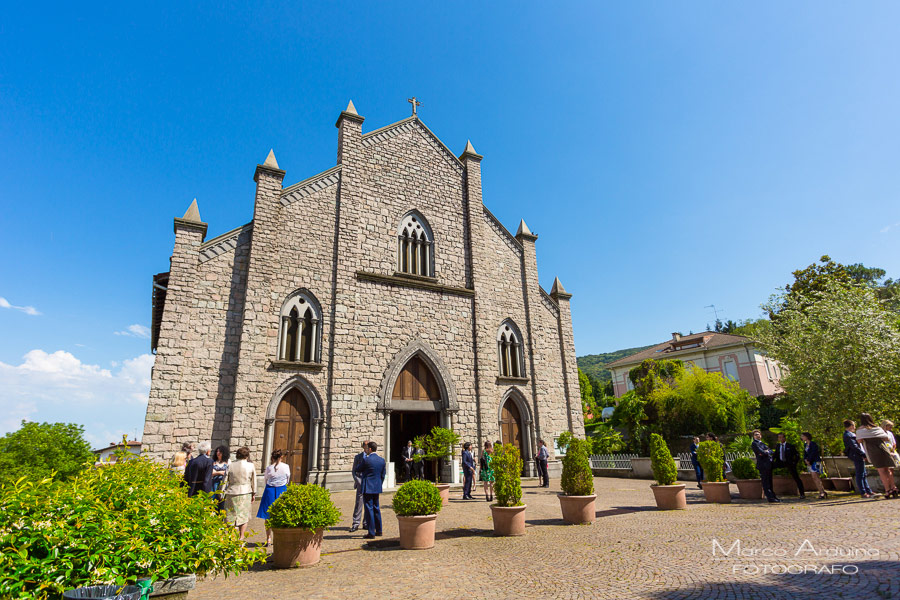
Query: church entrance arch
{"x": 416, "y": 395}
{"x": 515, "y": 427}
{"x": 292, "y": 433}
{"x": 294, "y": 424}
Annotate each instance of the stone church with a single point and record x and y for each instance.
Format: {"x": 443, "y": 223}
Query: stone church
{"x": 373, "y": 300}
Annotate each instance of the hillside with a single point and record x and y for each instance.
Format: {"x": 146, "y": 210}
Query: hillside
{"x": 592, "y": 364}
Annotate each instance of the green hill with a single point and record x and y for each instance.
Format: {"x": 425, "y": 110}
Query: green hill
{"x": 592, "y": 364}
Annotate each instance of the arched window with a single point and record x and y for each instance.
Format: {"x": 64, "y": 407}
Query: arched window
{"x": 415, "y": 246}
{"x": 509, "y": 350}
{"x": 300, "y": 329}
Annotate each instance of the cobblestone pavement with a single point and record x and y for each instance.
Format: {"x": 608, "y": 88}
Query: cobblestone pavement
{"x": 631, "y": 551}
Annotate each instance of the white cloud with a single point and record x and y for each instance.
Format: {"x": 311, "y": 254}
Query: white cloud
{"x": 888, "y": 228}
{"x": 138, "y": 331}
{"x": 28, "y": 310}
{"x": 59, "y": 387}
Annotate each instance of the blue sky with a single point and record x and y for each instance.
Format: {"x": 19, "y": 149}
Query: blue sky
{"x": 669, "y": 156}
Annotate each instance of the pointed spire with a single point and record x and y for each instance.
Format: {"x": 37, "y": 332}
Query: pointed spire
{"x": 193, "y": 213}
{"x": 557, "y": 287}
{"x": 470, "y": 151}
{"x": 523, "y": 229}
{"x": 270, "y": 160}
{"x": 351, "y": 110}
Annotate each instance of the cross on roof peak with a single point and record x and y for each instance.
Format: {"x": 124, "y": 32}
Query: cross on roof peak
{"x": 415, "y": 103}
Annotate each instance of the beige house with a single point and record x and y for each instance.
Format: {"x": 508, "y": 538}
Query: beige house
{"x": 373, "y": 300}
{"x": 735, "y": 356}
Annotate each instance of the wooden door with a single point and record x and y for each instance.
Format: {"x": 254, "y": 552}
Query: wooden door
{"x": 292, "y": 426}
{"x": 416, "y": 382}
{"x": 511, "y": 425}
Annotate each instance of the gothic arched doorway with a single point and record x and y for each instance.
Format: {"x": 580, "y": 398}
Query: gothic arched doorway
{"x": 292, "y": 428}
{"x": 417, "y": 393}
{"x": 511, "y": 425}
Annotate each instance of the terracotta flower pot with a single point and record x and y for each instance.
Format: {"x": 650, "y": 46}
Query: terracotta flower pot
{"x": 828, "y": 483}
{"x": 417, "y": 532}
{"x": 808, "y": 479}
{"x": 783, "y": 485}
{"x": 444, "y": 489}
{"x": 750, "y": 489}
{"x": 295, "y": 547}
{"x": 508, "y": 520}
{"x": 577, "y": 510}
{"x": 717, "y": 492}
{"x": 670, "y": 497}
{"x": 842, "y": 484}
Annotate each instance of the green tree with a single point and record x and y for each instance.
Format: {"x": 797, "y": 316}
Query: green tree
{"x": 630, "y": 415}
{"x": 840, "y": 348}
{"x": 439, "y": 445}
{"x": 37, "y": 450}
{"x": 700, "y": 401}
{"x": 587, "y": 394}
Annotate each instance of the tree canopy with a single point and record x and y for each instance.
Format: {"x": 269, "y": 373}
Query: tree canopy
{"x": 37, "y": 450}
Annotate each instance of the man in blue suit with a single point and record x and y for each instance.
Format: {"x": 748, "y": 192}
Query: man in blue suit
{"x": 468, "y": 465}
{"x": 764, "y": 465}
{"x": 371, "y": 472}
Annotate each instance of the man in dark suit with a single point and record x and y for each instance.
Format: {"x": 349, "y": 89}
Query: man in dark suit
{"x": 371, "y": 473}
{"x": 198, "y": 473}
{"x": 855, "y": 453}
{"x": 468, "y": 465}
{"x": 407, "y": 458}
{"x": 359, "y": 505}
{"x": 787, "y": 456}
{"x": 419, "y": 464}
{"x": 764, "y": 464}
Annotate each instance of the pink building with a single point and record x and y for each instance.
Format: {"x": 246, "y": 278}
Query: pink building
{"x": 735, "y": 356}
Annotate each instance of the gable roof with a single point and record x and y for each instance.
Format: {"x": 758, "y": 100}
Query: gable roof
{"x": 687, "y": 344}
{"x": 409, "y": 124}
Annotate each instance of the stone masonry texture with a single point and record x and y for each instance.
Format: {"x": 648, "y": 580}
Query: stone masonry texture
{"x": 217, "y": 376}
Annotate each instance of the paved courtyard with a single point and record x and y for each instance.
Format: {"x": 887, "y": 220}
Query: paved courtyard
{"x": 631, "y": 551}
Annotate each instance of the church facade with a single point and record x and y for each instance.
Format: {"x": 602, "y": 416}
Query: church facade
{"x": 373, "y": 300}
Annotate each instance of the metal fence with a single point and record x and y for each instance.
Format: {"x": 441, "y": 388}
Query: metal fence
{"x": 612, "y": 461}
{"x": 684, "y": 459}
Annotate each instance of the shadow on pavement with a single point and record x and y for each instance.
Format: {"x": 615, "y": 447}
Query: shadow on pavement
{"x": 623, "y": 510}
{"x": 875, "y": 579}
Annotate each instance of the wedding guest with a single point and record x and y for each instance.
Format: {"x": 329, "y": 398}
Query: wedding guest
{"x": 698, "y": 470}
{"x": 468, "y": 465}
{"x": 278, "y": 474}
{"x": 888, "y": 427}
{"x": 240, "y": 491}
{"x": 764, "y": 464}
{"x": 855, "y": 452}
{"x": 220, "y": 470}
{"x": 178, "y": 463}
{"x": 487, "y": 471}
{"x": 543, "y": 457}
{"x": 876, "y": 444}
{"x": 371, "y": 474}
{"x": 813, "y": 458}
{"x": 198, "y": 472}
{"x": 787, "y": 456}
{"x": 360, "y": 505}
{"x": 407, "y": 457}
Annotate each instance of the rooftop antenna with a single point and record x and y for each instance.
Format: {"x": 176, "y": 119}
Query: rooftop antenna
{"x": 716, "y": 312}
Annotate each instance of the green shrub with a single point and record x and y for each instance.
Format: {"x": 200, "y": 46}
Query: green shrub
{"x": 304, "y": 506}
{"x": 743, "y": 468}
{"x": 115, "y": 524}
{"x": 40, "y": 450}
{"x": 664, "y": 470}
{"x": 577, "y": 478}
{"x": 712, "y": 460}
{"x": 741, "y": 443}
{"x": 507, "y": 465}
{"x": 416, "y": 498}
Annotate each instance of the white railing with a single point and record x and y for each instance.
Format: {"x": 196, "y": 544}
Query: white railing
{"x": 684, "y": 458}
{"x": 612, "y": 461}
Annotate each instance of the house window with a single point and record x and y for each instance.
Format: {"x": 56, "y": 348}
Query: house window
{"x": 730, "y": 370}
{"x": 509, "y": 350}
{"x": 300, "y": 329}
{"x": 415, "y": 246}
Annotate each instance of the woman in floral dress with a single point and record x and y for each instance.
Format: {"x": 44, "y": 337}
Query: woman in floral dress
{"x": 487, "y": 471}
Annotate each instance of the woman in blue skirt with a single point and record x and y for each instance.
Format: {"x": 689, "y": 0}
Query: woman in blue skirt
{"x": 277, "y": 476}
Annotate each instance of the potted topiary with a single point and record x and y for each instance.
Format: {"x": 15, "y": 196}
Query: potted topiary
{"x": 509, "y": 511}
{"x": 578, "y": 498}
{"x": 712, "y": 460}
{"x": 669, "y": 494}
{"x": 298, "y": 520}
{"x": 416, "y": 505}
{"x": 747, "y": 478}
{"x": 439, "y": 445}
